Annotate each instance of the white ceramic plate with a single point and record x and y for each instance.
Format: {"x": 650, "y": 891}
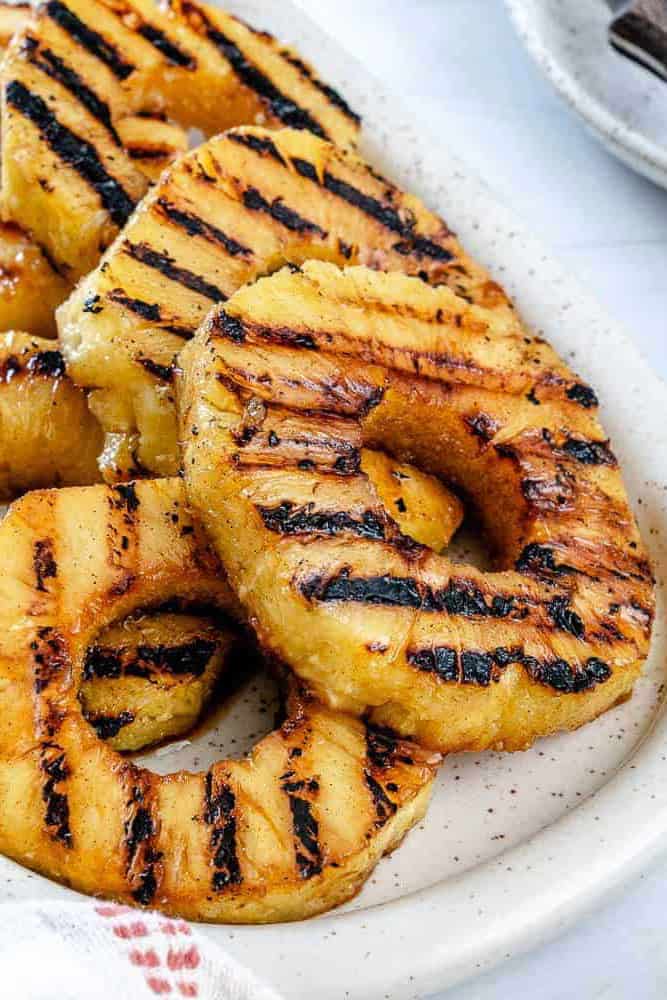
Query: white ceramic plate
{"x": 515, "y": 847}
{"x": 622, "y": 104}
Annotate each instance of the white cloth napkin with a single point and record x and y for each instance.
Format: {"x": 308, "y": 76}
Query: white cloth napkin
{"x": 101, "y": 951}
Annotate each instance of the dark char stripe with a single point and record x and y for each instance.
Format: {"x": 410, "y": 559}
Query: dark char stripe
{"x": 219, "y": 813}
{"x": 482, "y": 668}
{"x": 57, "y": 69}
{"x": 169, "y": 49}
{"x": 77, "y": 153}
{"x": 44, "y": 563}
{"x": 381, "y": 745}
{"x": 278, "y": 210}
{"x": 456, "y": 598}
{"x": 286, "y": 519}
{"x": 388, "y": 217}
{"x": 89, "y": 39}
{"x": 583, "y": 395}
{"x": 147, "y": 310}
{"x": 108, "y": 726}
{"x": 259, "y": 144}
{"x": 589, "y": 452}
{"x": 281, "y": 106}
{"x": 56, "y": 813}
{"x": 50, "y": 659}
{"x": 140, "y": 832}
{"x": 194, "y": 226}
{"x": 189, "y": 658}
{"x": 331, "y": 95}
{"x": 384, "y": 807}
{"x": 148, "y": 152}
{"x": 540, "y": 561}
{"x": 306, "y": 832}
{"x": 167, "y": 266}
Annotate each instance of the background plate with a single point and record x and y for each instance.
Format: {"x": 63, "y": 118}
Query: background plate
{"x": 622, "y": 104}
{"x": 515, "y": 847}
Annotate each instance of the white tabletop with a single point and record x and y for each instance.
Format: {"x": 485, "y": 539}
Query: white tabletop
{"x": 459, "y": 63}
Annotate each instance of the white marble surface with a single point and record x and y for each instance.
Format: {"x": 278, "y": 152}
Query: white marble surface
{"x": 459, "y": 63}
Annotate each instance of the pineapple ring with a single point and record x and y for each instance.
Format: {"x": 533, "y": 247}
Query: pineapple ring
{"x": 238, "y": 207}
{"x": 320, "y": 362}
{"x": 79, "y": 68}
{"x": 287, "y": 833}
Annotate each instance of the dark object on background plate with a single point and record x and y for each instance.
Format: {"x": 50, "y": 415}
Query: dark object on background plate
{"x": 640, "y": 32}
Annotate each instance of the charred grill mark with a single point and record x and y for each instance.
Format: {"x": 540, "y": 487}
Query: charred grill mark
{"x": 108, "y": 726}
{"x": 229, "y": 326}
{"x": 259, "y": 144}
{"x": 167, "y": 266}
{"x": 583, "y": 395}
{"x": 53, "y": 66}
{"x": 402, "y": 592}
{"x": 194, "y": 226}
{"x": 565, "y": 618}
{"x": 125, "y": 498}
{"x": 149, "y": 152}
{"x": 384, "y": 807}
{"x": 331, "y": 95}
{"x": 77, "y": 153}
{"x": 220, "y": 814}
{"x": 90, "y": 40}
{"x": 53, "y": 765}
{"x": 44, "y": 563}
{"x": 163, "y": 372}
{"x": 48, "y": 363}
{"x": 589, "y": 452}
{"x": 457, "y": 598}
{"x": 282, "y": 213}
{"x": 278, "y": 104}
{"x": 540, "y": 561}
{"x": 483, "y": 426}
{"x": 439, "y": 660}
{"x": 147, "y": 310}
{"x": 50, "y": 659}
{"x": 381, "y": 746}
{"x": 188, "y": 658}
{"x": 306, "y": 833}
{"x": 167, "y": 47}
{"x": 386, "y": 215}
{"x": 287, "y": 519}
{"x": 482, "y": 668}
{"x": 142, "y": 860}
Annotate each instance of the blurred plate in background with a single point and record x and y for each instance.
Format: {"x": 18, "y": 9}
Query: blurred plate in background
{"x": 623, "y": 105}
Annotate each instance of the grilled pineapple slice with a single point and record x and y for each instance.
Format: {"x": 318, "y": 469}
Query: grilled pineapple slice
{"x": 324, "y": 361}
{"x": 147, "y": 679}
{"x": 30, "y": 288}
{"x": 286, "y": 833}
{"x": 80, "y": 67}
{"x": 237, "y": 207}
{"x": 48, "y": 436}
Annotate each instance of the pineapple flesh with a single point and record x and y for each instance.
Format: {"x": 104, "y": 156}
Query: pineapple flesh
{"x": 30, "y": 287}
{"x": 48, "y": 436}
{"x": 302, "y": 369}
{"x": 79, "y": 68}
{"x": 240, "y": 206}
{"x": 288, "y": 832}
{"x": 148, "y": 678}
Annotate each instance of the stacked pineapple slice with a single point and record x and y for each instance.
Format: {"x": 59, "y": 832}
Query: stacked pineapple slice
{"x": 92, "y": 93}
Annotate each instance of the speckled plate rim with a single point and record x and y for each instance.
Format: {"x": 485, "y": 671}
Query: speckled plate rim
{"x": 431, "y": 939}
{"x": 634, "y": 149}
